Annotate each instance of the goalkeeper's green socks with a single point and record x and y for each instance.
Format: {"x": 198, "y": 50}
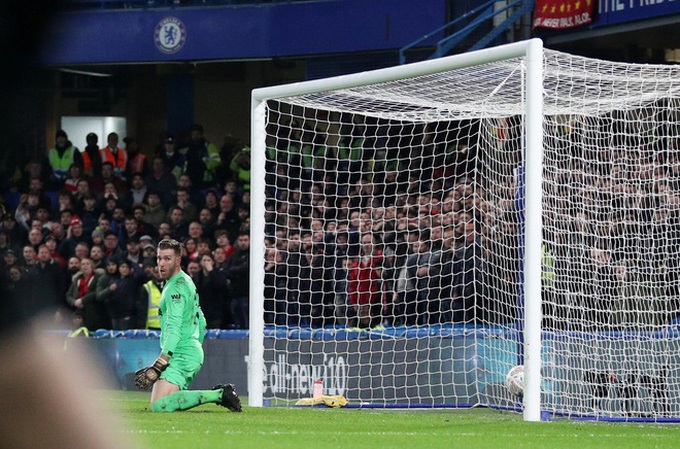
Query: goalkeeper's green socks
{"x": 186, "y": 399}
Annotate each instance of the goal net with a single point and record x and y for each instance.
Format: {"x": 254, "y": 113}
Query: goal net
{"x": 420, "y": 230}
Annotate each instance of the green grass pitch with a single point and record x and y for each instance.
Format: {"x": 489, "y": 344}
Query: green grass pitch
{"x": 210, "y": 426}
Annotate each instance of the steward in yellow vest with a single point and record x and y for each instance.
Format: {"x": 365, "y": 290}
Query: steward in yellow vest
{"x": 61, "y": 157}
{"x": 548, "y": 267}
{"x": 149, "y": 300}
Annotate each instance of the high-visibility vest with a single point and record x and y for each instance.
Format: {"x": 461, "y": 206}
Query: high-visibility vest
{"x": 119, "y": 161}
{"x": 87, "y": 162}
{"x": 153, "y": 320}
{"x": 60, "y": 165}
{"x": 244, "y": 178}
{"x": 352, "y": 153}
{"x": 311, "y": 155}
{"x": 548, "y": 267}
{"x": 138, "y": 163}
{"x": 242, "y": 173}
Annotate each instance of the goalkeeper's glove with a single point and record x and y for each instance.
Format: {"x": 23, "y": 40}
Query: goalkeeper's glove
{"x": 145, "y": 377}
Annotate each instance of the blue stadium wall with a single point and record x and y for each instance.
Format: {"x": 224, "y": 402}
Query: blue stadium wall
{"x": 448, "y": 365}
{"x": 363, "y": 367}
{"x": 240, "y": 32}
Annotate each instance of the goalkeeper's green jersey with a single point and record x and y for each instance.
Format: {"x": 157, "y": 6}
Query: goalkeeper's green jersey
{"x": 182, "y": 321}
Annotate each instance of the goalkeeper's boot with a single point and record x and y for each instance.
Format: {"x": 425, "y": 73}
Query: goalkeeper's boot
{"x": 229, "y": 399}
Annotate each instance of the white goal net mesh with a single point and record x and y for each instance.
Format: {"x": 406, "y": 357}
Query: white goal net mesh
{"x": 393, "y": 246}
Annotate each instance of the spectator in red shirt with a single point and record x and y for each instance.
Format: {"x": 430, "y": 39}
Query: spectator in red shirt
{"x": 365, "y": 294}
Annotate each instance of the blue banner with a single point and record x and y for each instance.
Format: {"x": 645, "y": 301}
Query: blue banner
{"x": 239, "y": 32}
{"x": 612, "y": 12}
{"x": 617, "y": 375}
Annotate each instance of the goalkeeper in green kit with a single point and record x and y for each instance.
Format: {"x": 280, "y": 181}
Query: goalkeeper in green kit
{"x": 182, "y": 331}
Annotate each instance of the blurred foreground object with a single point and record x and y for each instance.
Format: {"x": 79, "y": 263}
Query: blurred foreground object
{"x": 48, "y": 397}
{"x": 45, "y": 400}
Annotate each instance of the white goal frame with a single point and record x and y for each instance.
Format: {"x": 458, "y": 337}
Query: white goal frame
{"x": 532, "y": 52}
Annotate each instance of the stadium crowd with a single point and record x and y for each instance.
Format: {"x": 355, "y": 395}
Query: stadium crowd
{"x": 81, "y": 238}
{"x": 79, "y": 228}
{"x": 352, "y": 237}
{"x": 408, "y": 224}
{"x": 359, "y": 237}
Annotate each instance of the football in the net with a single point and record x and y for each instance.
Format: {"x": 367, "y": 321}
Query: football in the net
{"x": 514, "y": 381}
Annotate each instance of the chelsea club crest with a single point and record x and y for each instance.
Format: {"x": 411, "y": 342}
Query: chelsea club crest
{"x": 170, "y": 35}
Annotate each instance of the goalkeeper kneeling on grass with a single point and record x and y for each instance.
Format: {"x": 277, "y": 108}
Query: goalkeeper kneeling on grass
{"x": 182, "y": 331}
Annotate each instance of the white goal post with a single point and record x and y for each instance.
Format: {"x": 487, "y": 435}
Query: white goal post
{"x": 419, "y": 230}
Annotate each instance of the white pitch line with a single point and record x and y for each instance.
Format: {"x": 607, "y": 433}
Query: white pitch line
{"x": 391, "y": 433}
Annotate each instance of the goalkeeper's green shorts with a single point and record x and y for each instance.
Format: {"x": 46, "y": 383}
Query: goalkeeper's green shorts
{"x": 182, "y": 368}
